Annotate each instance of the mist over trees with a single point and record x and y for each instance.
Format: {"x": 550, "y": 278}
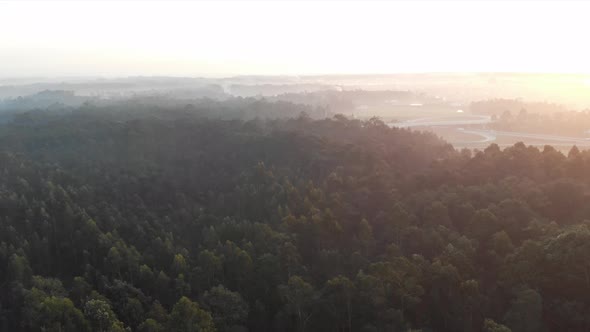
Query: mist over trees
{"x": 211, "y": 218}
{"x": 547, "y": 118}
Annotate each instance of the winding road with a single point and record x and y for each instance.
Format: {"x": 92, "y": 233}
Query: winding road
{"x": 444, "y": 121}
{"x": 487, "y": 136}
{"x": 491, "y": 135}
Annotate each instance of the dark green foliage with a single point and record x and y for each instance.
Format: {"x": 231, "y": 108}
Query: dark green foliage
{"x": 186, "y": 316}
{"x": 120, "y": 219}
{"x": 228, "y": 308}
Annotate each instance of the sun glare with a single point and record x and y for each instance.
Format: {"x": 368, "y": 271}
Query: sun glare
{"x": 188, "y": 38}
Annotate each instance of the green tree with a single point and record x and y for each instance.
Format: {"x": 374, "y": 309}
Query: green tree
{"x": 49, "y": 312}
{"x": 338, "y": 293}
{"x": 19, "y": 269}
{"x": 210, "y": 265}
{"x": 227, "y": 307}
{"x": 158, "y": 313}
{"x": 491, "y": 326}
{"x": 60, "y": 314}
{"x": 299, "y": 297}
{"x": 101, "y": 316}
{"x": 365, "y": 236}
{"x": 187, "y": 316}
{"x": 179, "y": 265}
{"x": 150, "y": 325}
{"x": 525, "y": 313}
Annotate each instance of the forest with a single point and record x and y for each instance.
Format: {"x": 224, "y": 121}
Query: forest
{"x": 220, "y": 216}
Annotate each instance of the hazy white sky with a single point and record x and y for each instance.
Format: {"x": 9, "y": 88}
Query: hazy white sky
{"x": 187, "y": 38}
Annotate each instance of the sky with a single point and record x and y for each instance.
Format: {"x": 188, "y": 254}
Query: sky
{"x": 221, "y": 38}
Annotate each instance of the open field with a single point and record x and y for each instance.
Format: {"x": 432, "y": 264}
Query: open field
{"x": 471, "y": 131}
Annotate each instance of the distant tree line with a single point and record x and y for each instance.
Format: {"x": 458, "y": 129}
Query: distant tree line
{"x": 544, "y": 118}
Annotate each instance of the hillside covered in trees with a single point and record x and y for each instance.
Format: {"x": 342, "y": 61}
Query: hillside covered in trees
{"x": 164, "y": 218}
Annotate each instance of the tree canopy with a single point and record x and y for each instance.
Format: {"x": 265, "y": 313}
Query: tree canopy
{"x": 174, "y": 219}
